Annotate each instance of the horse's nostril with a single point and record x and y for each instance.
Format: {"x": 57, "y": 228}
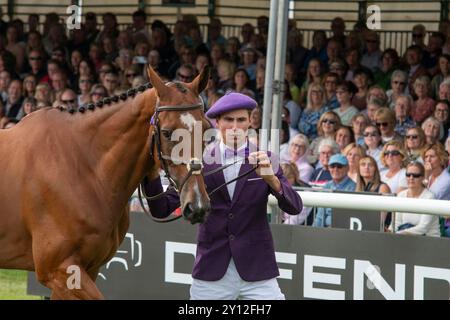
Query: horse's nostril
{"x": 188, "y": 210}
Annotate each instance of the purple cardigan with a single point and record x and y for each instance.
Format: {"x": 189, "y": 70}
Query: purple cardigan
{"x": 236, "y": 227}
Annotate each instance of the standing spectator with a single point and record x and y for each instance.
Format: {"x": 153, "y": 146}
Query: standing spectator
{"x": 338, "y": 30}
{"x": 424, "y": 105}
{"x": 415, "y": 142}
{"x": 411, "y": 223}
{"x": 394, "y": 158}
{"x": 338, "y": 165}
{"x": 418, "y": 35}
{"x": 403, "y": 106}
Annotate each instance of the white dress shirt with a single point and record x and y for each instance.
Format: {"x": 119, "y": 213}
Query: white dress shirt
{"x": 231, "y": 172}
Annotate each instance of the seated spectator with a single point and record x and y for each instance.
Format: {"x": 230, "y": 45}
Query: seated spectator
{"x": 441, "y": 114}
{"x": 415, "y": 142}
{"x": 402, "y": 108}
{"x": 433, "y": 131}
{"x": 372, "y": 58}
{"x": 424, "y": 105}
{"x": 344, "y": 136}
{"x": 44, "y": 94}
{"x": 129, "y": 75}
{"x": 362, "y": 80}
{"x": 322, "y": 175}
{"x": 297, "y": 153}
{"x": 412, "y": 223}
{"x": 399, "y": 86}
{"x": 359, "y": 123}
{"x": 241, "y": 83}
{"x": 225, "y": 71}
{"x": 338, "y": 165}
{"x": 111, "y": 82}
{"x": 444, "y": 71}
{"x": 437, "y": 179}
{"x": 327, "y": 126}
{"x": 98, "y": 92}
{"x": 307, "y": 124}
{"x": 373, "y": 144}
{"x": 85, "y": 85}
{"x": 29, "y": 86}
{"x": 340, "y": 68}
{"x": 353, "y": 153}
{"x": 414, "y": 55}
{"x": 249, "y": 56}
{"x": 291, "y": 77}
{"x": 329, "y": 82}
{"x": 69, "y": 100}
{"x": 444, "y": 90}
{"x": 393, "y": 158}
{"x": 313, "y": 75}
{"x": 345, "y": 91}
{"x": 290, "y": 171}
{"x": 13, "y": 104}
{"x": 376, "y": 91}
{"x": 385, "y": 121}
{"x": 29, "y": 105}
{"x": 389, "y": 61}
{"x": 372, "y": 107}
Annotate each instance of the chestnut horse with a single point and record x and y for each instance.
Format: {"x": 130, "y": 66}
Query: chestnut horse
{"x": 66, "y": 179}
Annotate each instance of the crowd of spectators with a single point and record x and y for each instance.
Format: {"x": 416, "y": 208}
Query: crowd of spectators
{"x": 355, "y": 116}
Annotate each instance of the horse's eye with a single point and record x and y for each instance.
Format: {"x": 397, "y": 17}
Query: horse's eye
{"x": 166, "y": 133}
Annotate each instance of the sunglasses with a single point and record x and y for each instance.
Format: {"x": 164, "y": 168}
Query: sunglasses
{"x": 382, "y": 124}
{"x": 329, "y": 121}
{"x": 370, "y": 134}
{"x": 392, "y": 153}
{"x": 98, "y": 94}
{"x": 35, "y": 58}
{"x": 68, "y": 101}
{"x": 336, "y": 165}
{"x": 131, "y": 75}
{"x": 414, "y": 137}
{"x": 414, "y": 175}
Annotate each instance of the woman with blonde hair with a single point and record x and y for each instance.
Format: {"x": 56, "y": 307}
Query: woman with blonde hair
{"x": 412, "y": 223}
{"x": 297, "y": 153}
{"x": 394, "y": 158}
{"x": 315, "y": 102}
{"x": 353, "y": 152}
{"x": 44, "y": 94}
{"x": 414, "y": 143}
{"x": 328, "y": 124}
{"x": 433, "y": 130}
{"x": 313, "y": 75}
{"x": 424, "y": 106}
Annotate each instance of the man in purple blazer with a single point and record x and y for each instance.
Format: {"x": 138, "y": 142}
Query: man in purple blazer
{"x": 235, "y": 252}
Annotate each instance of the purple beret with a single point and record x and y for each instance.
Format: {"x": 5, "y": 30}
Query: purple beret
{"x": 229, "y": 102}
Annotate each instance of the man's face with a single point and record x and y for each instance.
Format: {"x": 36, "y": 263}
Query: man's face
{"x": 412, "y": 57}
{"x": 69, "y": 100}
{"x": 444, "y": 92}
{"x": 138, "y": 22}
{"x": 338, "y": 172}
{"x": 14, "y": 91}
{"x": 401, "y": 107}
{"x": 110, "y": 82}
{"x": 58, "y": 82}
{"x": 233, "y": 127}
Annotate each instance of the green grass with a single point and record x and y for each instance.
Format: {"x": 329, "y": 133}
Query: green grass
{"x": 13, "y": 285}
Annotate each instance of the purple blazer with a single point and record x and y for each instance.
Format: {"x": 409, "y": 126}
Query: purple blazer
{"x": 236, "y": 227}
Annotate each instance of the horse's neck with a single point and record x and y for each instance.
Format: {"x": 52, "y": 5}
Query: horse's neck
{"x": 118, "y": 143}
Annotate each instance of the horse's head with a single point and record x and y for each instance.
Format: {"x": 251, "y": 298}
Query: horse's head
{"x": 178, "y": 126}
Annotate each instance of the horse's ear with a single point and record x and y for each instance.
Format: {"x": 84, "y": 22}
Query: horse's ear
{"x": 156, "y": 82}
{"x": 201, "y": 81}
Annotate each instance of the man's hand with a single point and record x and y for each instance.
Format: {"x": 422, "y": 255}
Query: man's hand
{"x": 264, "y": 169}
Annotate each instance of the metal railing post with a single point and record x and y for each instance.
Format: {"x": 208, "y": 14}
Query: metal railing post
{"x": 211, "y": 8}
{"x": 444, "y": 10}
{"x": 362, "y": 10}
{"x": 10, "y": 9}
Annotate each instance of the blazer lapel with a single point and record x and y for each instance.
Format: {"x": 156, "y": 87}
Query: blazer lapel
{"x": 241, "y": 182}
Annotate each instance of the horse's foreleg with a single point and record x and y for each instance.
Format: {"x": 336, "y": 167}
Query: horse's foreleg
{"x": 72, "y": 282}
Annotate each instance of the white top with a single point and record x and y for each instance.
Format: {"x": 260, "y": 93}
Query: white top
{"x": 396, "y": 182}
{"x": 441, "y": 186}
{"x": 304, "y": 168}
{"x": 376, "y": 154}
{"x": 231, "y": 172}
{"x": 424, "y": 224}
{"x": 347, "y": 115}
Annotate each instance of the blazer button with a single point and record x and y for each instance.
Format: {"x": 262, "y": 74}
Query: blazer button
{"x": 231, "y": 237}
{"x": 231, "y": 216}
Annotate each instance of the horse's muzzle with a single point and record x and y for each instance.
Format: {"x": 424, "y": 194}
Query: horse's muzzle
{"x": 196, "y": 214}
